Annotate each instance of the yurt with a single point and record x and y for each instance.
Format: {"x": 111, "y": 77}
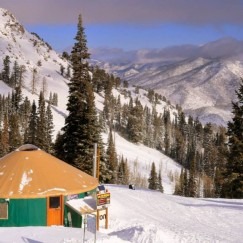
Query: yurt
{"x": 35, "y": 186}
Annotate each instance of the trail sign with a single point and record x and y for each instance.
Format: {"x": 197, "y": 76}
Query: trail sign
{"x": 103, "y": 198}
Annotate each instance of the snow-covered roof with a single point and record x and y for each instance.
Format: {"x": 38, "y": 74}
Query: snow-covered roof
{"x": 83, "y": 205}
{"x": 29, "y": 172}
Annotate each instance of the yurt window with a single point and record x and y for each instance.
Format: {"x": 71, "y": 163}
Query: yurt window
{"x": 3, "y": 210}
{"x": 54, "y": 202}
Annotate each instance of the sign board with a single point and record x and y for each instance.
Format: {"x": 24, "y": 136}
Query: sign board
{"x": 103, "y": 198}
{"x": 102, "y": 218}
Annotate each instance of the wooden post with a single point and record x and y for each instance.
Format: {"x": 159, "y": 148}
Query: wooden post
{"x": 106, "y": 218}
{"x": 98, "y": 220}
{"x": 95, "y": 161}
{"x": 98, "y": 164}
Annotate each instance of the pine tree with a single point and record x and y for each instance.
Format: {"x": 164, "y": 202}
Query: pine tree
{"x": 185, "y": 184}
{"x": 134, "y": 123}
{"x": 210, "y": 152}
{"x": 49, "y": 129}
{"x": 44, "y": 87}
{"x": 81, "y": 130}
{"x": 34, "y": 81}
{"x": 58, "y": 146}
{"x": 5, "y": 136}
{"x": 41, "y": 133}
{"x": 179, "y": 184}
{"x": 15, "y": 76}
{"x": 15, "y": 139}
{"x": 160, "y": 186}
{"x": 25, "y": 110}
{"x": 112, "y": 158}
{"x": 192, "y": 187}
{"x": 62, "y": 68}
{"x": 153, "y": 178}
{"x": 31, "y": 133}
{"x": 6, "y": 70}
{"x": 22, "y": 70}
{"x": 233, "y": 186}
{"x": 17, "y": 98}
{"x": 123, "y": 172}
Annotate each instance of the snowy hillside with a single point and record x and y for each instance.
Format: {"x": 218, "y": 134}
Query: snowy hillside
{"x": 144, "y": 216}
{"x": 139, "y": 157}
{"x": 34, "y": 54}
{"x": 201, "y": 79}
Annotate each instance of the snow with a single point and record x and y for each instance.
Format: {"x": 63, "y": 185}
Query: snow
{"x": 149, "y": 216}
{"x": 88, "y": 204}
{"x": 140, "y": 159}
{"x": 24, "y": 181}
{"x": 134, "y": 215}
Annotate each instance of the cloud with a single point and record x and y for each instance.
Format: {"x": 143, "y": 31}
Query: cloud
{"x": 195, "y": 12}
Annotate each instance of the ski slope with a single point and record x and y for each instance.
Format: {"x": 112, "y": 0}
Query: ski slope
{"x": 145, "y": 216}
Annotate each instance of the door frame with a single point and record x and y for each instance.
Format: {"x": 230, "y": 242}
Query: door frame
{"x": 60, "y": 209}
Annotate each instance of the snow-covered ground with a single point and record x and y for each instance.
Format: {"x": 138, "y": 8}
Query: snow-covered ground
{"x": 145, "y": 216}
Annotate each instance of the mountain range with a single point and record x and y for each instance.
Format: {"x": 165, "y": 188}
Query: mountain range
{"x": 201, "y": 79}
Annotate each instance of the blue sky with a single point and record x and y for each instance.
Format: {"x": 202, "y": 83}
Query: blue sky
{"x": 135, "y": 36}
{"x": 130, "y": 24}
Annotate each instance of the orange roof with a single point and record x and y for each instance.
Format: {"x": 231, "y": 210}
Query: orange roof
{"x": 29, "y": 172}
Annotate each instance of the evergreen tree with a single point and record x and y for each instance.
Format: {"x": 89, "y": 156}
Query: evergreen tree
{"x": 112, "y": 159}
{"x": 31, "y": 133}
{"x": 118, "y": 114}
{"x": 34, "y": 81}
{"x": 160, "y": 186}
{"x": 233, "y": 186}
{"x": 15, "y": 139}
{"x": 5, "y": 136}
{"x": 68, "y": 75}
{"x": 179, "y": 184}
{"x": 81, "y": 130}
{"x": 44, "y": 87}
{"x": 185, "y": 184}
{"x": 15, "y": 76}
{"x": 6, "y": 70}
{"x": 22, "y": 70}
{"x": 49, "y": 129}
{"x": 134, "y": 123}
{"x": 25, "y": 110}
{"x": 65, "y": 55}
{"x": 62, "y": 68}
{"x": 123, "y": 172}
{"x": 17, "y": 98}
{"x": 148, "y": 128}
{"x": 50, "y": 98}
{"x": 192, "y": 187}
{"x": 153, "y": 178}
{"x": 58, "y": 146}
{"x": 210, "y": 152}
{"x": 55, "y": 99}
{"x": 41, "y": 133}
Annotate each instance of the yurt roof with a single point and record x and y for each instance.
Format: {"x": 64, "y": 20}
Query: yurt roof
{"x": 29, "y": 172}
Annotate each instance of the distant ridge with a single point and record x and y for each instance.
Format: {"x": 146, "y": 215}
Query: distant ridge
{"x": 201, "y": 79}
